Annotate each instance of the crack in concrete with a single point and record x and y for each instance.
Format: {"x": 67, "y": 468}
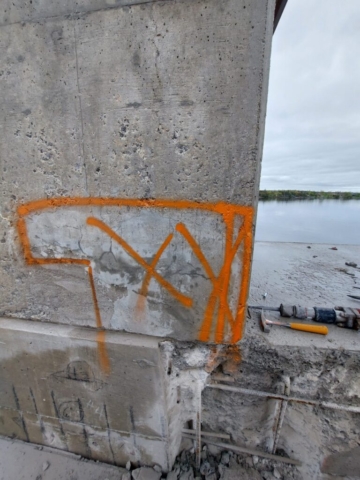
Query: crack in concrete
{"x": 81, "y": 112}
{"x": 77, "y": 14}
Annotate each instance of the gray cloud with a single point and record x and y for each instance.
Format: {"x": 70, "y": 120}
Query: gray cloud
{"x": 312, "y": 138}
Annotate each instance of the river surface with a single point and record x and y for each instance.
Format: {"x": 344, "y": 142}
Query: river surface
{"x": 309, "y": 221}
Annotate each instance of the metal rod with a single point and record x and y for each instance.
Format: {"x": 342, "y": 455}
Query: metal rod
{"x": 258, "y": 393}
{"x": 250, "y": 451}
{"x": 264, "y": 307}
{"x": 223, "y": 378}
{"x": 198, "y": 428}
{"x": 283, "y": 406}
{"x": 226, "y": 436}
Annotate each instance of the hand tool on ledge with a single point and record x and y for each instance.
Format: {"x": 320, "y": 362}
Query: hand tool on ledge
{"x": 345, "y": 317}
{"x": 303, "y": 327}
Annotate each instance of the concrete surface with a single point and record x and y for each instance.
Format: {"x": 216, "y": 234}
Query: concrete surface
{"x": 132, "y": 135}
{"x": 23, "y": 461}
{"x": 42, "y": 10}
{"x": 156, "y": 100}
{"x": 54, "y": 392}
{"x": 343, "y": 463}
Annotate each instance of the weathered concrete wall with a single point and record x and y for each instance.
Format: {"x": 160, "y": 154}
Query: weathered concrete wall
{"x": 164, "y": 100}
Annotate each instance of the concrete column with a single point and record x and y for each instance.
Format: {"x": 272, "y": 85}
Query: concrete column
{"x": 131, "y": 144}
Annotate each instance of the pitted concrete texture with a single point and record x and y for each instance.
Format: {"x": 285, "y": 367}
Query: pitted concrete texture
{"x": 154, "y": 100}
{"x": 55, "y": 392}
{"x": 161, "y": 100}
{"x": 23, "y": 461}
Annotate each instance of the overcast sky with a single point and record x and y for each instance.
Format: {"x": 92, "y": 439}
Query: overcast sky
{"x": 312, "y": 139}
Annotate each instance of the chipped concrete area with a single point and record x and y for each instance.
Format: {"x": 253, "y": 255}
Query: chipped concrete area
{"x": 167, "y": 303}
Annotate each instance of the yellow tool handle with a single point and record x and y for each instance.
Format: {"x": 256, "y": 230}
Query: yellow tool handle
{"x": 305, "y": 327}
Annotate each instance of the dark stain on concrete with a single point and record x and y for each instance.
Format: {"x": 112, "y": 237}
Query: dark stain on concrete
{"x": 109, "y": 263}
{"x": 186, "y": 103}
{"x": 133, "y": 105}
{"x": 136, "y": 59}
{"x": 23, "y": 424}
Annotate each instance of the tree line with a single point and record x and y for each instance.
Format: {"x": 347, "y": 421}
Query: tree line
{"x": 285, "y": 195}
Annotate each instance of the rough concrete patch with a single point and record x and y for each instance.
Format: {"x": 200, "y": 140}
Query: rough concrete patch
{"x": 144, "y": 473}
{"x": 240, "y": 473}
{"x": 345, "y": 463}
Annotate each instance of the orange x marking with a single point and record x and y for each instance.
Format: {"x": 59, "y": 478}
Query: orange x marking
{"x": 183, "y": 299}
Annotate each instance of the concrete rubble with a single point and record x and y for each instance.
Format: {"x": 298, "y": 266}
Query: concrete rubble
{"x": 224, "y": 465}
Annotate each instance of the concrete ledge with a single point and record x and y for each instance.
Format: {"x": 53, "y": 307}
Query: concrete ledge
{"x": 294, "y": 274}
{"x": 77, "y": 333}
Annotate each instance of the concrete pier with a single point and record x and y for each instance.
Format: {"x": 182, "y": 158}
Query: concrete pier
{"x": 132, "y": 135}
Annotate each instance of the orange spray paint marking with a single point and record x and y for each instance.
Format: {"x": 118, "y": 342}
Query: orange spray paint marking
{"x": 209, "y": 311}
{"x": 220, "y": 283}
{"x": 102, "y": 352}
{"x": 96, "y": 304}
{"x": 217, "y": 293}
{"x": 100, "y": 336}
{"x": 145, "y": 285}
{"x": 245, "y": 282}
{"x": 30, "y": 260}
{"x": 183, "y": 299}
{"x": 225, "y": 277}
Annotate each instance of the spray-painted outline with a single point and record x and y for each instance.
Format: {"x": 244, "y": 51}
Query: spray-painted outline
{"x": 220, "y": 283}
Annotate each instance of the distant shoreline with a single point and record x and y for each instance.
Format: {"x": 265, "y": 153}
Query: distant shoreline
{"x": 288, "y": 195}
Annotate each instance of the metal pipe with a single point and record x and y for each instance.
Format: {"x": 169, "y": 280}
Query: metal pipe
{"x": 283, "y": 406}
{"x": 198, "y": 427}
{"x": 226, "y": 436}
{"x": 250, "y": 451}
{"x": 258, "y": 393}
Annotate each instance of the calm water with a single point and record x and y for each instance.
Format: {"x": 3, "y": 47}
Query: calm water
{"x": 315, "y": 221}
